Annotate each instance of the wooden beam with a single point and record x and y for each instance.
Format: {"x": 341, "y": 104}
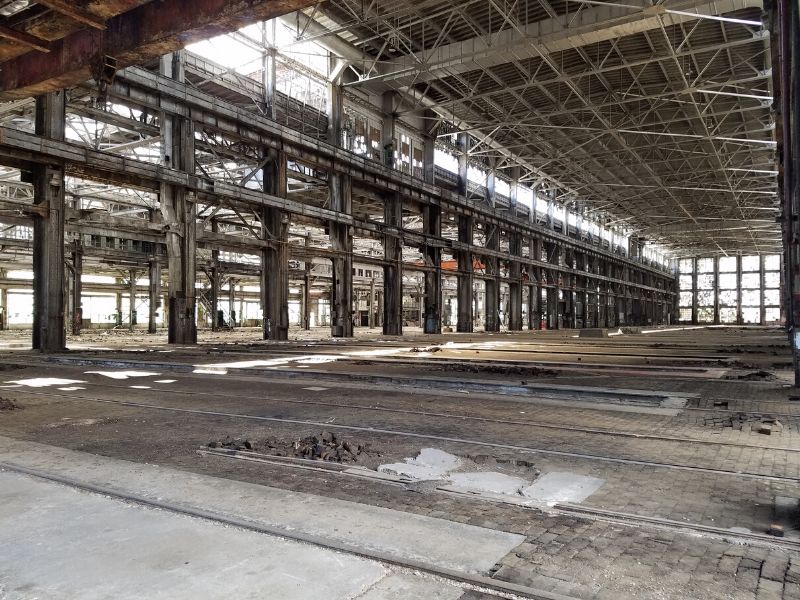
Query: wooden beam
{"x": 26, "y": 39}
{"x": 74, "y": 12}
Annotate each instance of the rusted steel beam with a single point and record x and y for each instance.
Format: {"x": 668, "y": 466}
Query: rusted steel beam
{"x": 74, "y": 12}
{"x": 134, "y": 37}
{"x": 21, "y": 37}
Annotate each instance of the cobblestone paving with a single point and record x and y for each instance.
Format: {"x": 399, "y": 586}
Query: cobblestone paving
{"x": 574, "y": 556}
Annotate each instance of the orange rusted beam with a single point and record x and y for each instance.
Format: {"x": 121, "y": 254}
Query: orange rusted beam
{"x": 134, "y": 37}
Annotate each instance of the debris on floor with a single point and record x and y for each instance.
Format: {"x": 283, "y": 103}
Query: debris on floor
{"x": 754, "y": 376}
{"x": 450, "y": 472}
{"x": 8, "y": 405}
{"x": 495, "y": 369}
{"x": 429, "y": 464}
{"x": 324, "y": 446}
{"x": 758, "y": 423}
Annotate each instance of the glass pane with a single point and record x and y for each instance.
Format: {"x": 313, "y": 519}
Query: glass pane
{"x": 705, "y": 281}
{"x": 772, "y": 297}
{"x": 705, "y": 298}
{"x": 727, "y": 315}
{"x": 751, "y": 297}
{"x": 772, "y": 279}
{"x": 685, "y": 282}
{"x": 772, "y": 262}
{"x": 751, "y": 315}
{"x": 686, "y": 299}
{"x": 705, "y": 265}
{"x": 705, "y": 315}
{"x": 727, "y": 297}
{"x": 727, "y": 264}
{"x": 751, "y": 280}
{"x": 773, "y": 315}
{"x": 727, "y": 281}
{"x": 686, "y": 265}
{"x": 751, "y": 263}
{"x": 685, "y": 314}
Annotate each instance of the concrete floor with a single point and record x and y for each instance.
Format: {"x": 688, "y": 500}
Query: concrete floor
{"x": 672, "y": 423}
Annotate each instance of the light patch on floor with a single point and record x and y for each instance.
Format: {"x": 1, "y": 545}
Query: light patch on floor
{"x": 39, "y": 382}
{"x": 489, "y": 481}
{"x": 556, "y": 487}
{"x": 210, "y": 371}
{"x": 428, "y": 465}
{"x": 123, "y": 374}
{"x": 165, "y": 381}
{"x": 73, "y": 388}
{"x": 139, "y": 387}
{"x": 316, "y": 389}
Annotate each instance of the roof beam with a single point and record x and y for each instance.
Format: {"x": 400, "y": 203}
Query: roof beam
{"x": 21, "y": 37}
{"x": 74, "y": 12}
{"x": 134, "y": 37}
{"x": 545, "y": 37}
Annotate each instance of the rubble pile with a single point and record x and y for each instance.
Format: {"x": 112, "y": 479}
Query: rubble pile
{"x": 7, "y": 405}
{"x": 324, "y": 446}
{"x": 753, "y": 376}
{"x": 495, "y": 369}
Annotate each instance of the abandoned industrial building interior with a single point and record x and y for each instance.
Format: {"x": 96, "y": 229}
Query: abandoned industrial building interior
{"x": 399, "y": 299}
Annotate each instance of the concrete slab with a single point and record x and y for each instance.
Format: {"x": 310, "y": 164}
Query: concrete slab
{"x": 405, "y": 537}
{"x": 429, "y": 464}
{"x": 61, "y": 543}
{"x": 556, "y": 487}
{"x": 405, "y": 587}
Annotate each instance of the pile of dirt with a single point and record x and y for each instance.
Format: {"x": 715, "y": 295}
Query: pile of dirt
{"x": 8, "y": 405}
{"x": 754, "y": 376}
{"x": 324, "y": 446}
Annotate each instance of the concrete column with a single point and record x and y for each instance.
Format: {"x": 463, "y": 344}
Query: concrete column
{"x": 739, "y": 316}
{"x": 762, "y": 317}
{"x": 393, "y": 269}
{"x": 131, "y": 299}
{"x": 515, "y": 283}
{"x": 232, "y": 304}
{"x": 371, "y": 303}
{"x": 694, "y": 291}
{"x": 342, "y": 245}
{"x": 213, "y": 279}
{"x": 463, "y": 161}
{"x": 388, "y": 140}
{"x": 492, "y": 282}
{"x": 3, "y": 309}
{"x": 306, "y": 318}
{"x": 431, "y": 127}
{"x": 491, "y": 184}
{"x": 335, "y": 110}
{"x": 275, "y": 258}
{"x": 49, "y": 333}
{"x": 515, "y": 171}
{"x": 154, "y": 293}
{"x": 179, "y": 215}
{"x": 432, "y": 226}
{"x": 268, "y": 66}
{"x": 464, "y": 323}
{"x": 533, "y": 307}
{"x": 76, "y": 302}
{"x": 552, "y": 303}
{"x": 716, "y": 290}
{"x": 118, "y": 306}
